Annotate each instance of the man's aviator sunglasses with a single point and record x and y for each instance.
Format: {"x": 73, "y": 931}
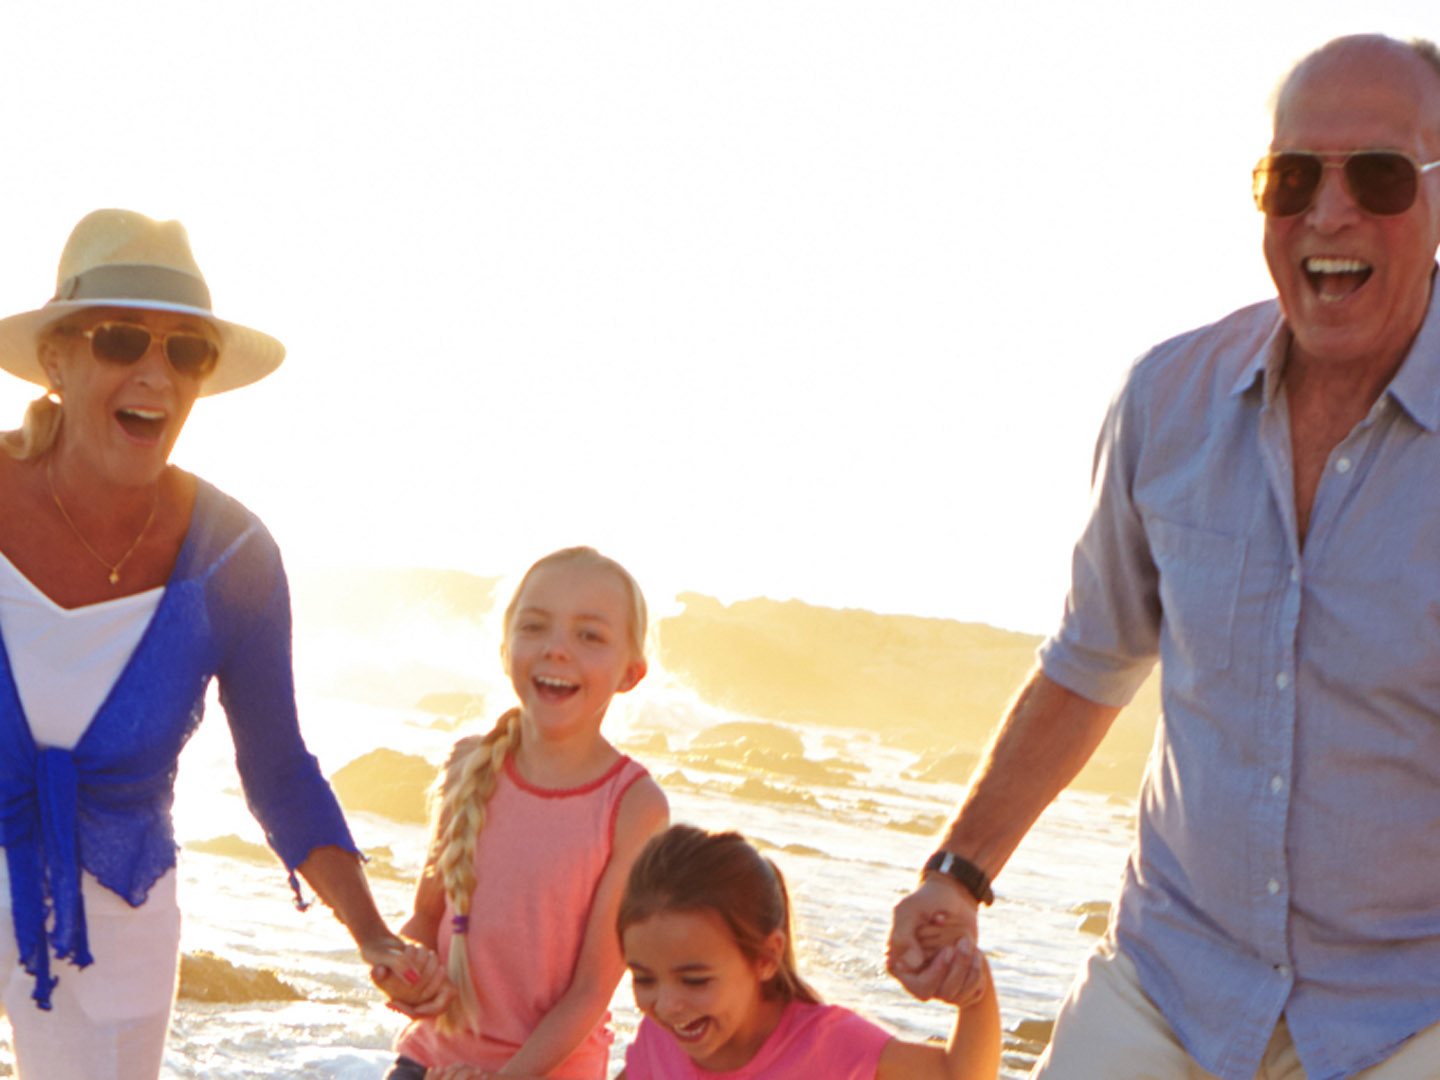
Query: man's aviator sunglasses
{"x": 1381, "y": 181}
{"x": 125, "y": 343}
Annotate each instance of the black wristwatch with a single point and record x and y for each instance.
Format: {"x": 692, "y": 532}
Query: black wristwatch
{"x": 965, "y": 872}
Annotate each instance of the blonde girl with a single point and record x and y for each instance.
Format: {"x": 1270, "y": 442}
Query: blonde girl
{"x": 706, "y": 931}
{"x": 536, "y": 827}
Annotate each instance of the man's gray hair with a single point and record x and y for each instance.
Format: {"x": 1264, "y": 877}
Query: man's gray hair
{"x": 1428, "y": 51}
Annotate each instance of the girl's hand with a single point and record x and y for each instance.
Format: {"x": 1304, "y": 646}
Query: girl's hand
{"x": 411, "y": 976}
{"x": 964, "y": 974}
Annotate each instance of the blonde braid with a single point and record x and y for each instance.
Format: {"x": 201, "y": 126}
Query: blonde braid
{"x": 464, "y": 789}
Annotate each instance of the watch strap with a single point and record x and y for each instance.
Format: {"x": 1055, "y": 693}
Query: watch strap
{"x": 965, "y": 872}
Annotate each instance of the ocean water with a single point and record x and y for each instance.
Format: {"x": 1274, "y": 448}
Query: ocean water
{"x": 849, "y": 851}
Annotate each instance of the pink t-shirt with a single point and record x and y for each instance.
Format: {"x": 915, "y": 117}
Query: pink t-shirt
{"x": 811, "y": 1042}
{"x": 538, "y": 861}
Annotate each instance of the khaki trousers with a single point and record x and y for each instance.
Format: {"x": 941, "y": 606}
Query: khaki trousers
{"x": 1109, "y": 1030}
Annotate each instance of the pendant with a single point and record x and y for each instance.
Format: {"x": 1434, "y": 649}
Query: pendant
{"x": 114, "y": 577}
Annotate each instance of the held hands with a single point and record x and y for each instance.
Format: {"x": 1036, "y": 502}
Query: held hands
{"x": 411, "y": 976}
{"x": 933, "y": 948}
{"x": 964, "y": 973}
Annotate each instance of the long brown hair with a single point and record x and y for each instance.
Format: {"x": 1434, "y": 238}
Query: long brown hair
{"x": 686, "y": 869}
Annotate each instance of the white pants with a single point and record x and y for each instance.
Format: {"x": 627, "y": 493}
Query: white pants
{"x": 109, "y": 1020}
{"x": 1109, "y": 1030}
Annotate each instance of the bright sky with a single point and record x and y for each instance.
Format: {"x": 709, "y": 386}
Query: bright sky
{"x": 818, "y": 299}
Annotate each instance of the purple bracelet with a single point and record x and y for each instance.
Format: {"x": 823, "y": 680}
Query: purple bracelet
{"x": 460, "y": 924}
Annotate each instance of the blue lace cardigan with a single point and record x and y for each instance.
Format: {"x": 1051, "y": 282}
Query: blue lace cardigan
{"x": 105, "y": 805}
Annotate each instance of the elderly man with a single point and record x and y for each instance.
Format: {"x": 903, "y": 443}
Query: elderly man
{"x": 1266, "y": 520}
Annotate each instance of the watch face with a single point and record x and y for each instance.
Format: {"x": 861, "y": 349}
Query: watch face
{"x": 965, "y": 872}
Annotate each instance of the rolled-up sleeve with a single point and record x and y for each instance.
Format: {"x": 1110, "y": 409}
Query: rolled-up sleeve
{"x": 1108, "y": 638}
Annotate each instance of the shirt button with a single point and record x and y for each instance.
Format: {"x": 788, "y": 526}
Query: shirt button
{"x": 1283, "y": 970}
{"x": 1295, "y": 573}
{"x": 1272, "y": 886}
{"x": 1282, "y": 680}
{"x": 1276, "y": 783}
{"x": 1343, "y": 465}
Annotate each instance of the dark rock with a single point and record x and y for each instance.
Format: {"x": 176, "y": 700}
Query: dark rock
{"x": 380, "y": 863}
{"x": 752, "y": 733}
{"x": 756, "y": 790}
{"x": 206, "y": 977}
{"x": 388, "y": 783}
{"x": 1035, "y": 1032}
{"x": 944, "y": 767}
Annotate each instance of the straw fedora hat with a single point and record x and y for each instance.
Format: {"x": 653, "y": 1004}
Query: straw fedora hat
{"x": 118, "y": 258}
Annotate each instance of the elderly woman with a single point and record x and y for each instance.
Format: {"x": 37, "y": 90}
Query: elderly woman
{"x": 125, "y": 586}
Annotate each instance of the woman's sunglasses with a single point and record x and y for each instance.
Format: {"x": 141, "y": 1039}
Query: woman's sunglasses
{"x": 1381, "y": 181}
{"x": 189, "y": 353}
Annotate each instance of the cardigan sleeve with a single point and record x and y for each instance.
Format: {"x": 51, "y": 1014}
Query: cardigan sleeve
{"x": 283, "y": 785}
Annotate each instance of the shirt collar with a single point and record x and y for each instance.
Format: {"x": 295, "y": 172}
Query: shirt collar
{"x": 1267, "y": 361}
{"x": 1415, "y": 387}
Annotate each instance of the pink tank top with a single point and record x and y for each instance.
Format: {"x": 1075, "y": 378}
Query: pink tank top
{"x": 538, "y": 861}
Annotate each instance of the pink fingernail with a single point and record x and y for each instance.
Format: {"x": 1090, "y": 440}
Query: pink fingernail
{"x": 410, "y": 975}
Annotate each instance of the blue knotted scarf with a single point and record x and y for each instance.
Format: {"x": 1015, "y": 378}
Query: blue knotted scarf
{"x": 40, "y": 849}
{"x": 104, "y": 806}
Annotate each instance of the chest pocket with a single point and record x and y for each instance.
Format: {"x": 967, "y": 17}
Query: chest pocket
{"x": 1199, "y": 587}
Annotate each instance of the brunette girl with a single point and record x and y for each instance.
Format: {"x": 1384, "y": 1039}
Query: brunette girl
{"x": 705, "y": 927}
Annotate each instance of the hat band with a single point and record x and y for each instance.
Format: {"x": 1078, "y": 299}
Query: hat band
{"x": 129, "y": 283}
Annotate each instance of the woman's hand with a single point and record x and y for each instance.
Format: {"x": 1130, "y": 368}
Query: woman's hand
{"x": 410, "y": 975}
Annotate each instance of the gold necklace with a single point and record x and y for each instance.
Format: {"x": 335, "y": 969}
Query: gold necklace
{"x": 114, "y": 568}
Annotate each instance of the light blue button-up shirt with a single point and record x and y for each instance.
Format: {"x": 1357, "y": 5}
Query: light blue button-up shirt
{"x": 1288, "y": 856}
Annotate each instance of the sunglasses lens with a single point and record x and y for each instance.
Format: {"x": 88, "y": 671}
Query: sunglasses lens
{"x": 1382, "y": 182}
{"x": 1285, "y": 184}
{"x": 190, "y": 354}
{"x": 119, "y": 343}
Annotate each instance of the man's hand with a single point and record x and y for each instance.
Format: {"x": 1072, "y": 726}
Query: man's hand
{"x": 927, "y": 923}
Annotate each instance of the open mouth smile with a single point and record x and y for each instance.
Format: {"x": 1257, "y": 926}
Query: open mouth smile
{"x": 553, "y": 688}
{"x": 146, "y": 424}
{"x": 692, "y": 1032}
{"x": 1334, "y": 278}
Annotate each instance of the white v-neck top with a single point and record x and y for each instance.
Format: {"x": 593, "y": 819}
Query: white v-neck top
{"x": 66, "y": 660}
{"x": 64, "y": 663}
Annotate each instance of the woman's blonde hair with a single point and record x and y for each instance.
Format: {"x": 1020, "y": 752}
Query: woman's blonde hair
{"x": 685, "y": 869}
{"x": 37, "y": 432}
{"x": 468, "y": 780}
{"x": 40, "y": 428}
